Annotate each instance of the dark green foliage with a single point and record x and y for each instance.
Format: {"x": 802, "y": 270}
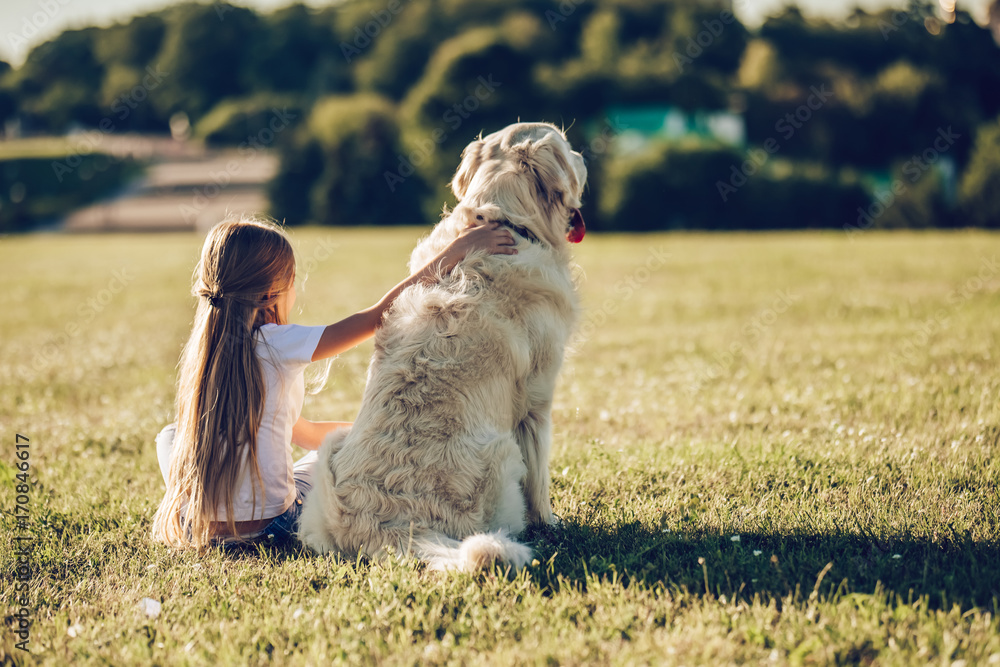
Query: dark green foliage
{"x": 8, "y": 101}
{"x": 795, "y": 201}
{"x": 233, "y": 121}
{"x": 59, "y": 82}
{"x": 294, "y": 51}
{"x": 678, "y": 187}
{"x": 891, "y": 80}
{"x": 338, "y": 167}
{"x": 289, "y": 191}
{"x": 897, "y": 77}
{"x": 205, "y": 52}
{"x": 134, "y": 44}
{"x": 475, "y": 83}
{"x": 980, "y": 188}
{"x": 922, "y": 203}
{"x": 683, "y": 180}
{"x": 44, "y": 188}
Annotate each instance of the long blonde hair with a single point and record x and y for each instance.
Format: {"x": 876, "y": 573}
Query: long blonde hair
{"x": 244, "y": 268}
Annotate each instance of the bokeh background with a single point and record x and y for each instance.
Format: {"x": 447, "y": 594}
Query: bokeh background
{"x": 692, "y": 115}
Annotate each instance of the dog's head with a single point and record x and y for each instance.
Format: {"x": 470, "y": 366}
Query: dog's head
{"x": 531, "y": 173}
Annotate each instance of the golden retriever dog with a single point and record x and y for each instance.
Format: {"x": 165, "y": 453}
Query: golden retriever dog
{"x": 449, "y": 454}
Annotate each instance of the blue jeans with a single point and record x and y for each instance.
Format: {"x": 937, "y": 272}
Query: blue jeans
{"x": 285, "y": 526}
{"x": 282, "y": 527}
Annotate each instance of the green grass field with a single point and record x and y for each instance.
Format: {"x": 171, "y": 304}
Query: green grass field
{"x": 768, "y": 448}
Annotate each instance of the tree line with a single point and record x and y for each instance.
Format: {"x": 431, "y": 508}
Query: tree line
{"x": 843, "y": 122}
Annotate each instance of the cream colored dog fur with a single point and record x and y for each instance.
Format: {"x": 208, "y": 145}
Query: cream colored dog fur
{"x": 449, "y": 454}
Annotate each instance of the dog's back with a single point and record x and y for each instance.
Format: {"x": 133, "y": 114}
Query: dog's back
{"x": 431, "y": 457}
{"x": 449, "y": 453}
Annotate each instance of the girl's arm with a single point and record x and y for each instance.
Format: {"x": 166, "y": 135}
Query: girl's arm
{"x": 361, "y": 326}
{"x": 309, "y": 435}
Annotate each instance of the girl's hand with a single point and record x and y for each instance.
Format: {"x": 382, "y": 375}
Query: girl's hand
{"x": 490, "y": 236}
{"x": 347, "y": 333}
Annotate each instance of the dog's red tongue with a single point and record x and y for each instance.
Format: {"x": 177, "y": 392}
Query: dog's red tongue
{"x": 577, "y": 227}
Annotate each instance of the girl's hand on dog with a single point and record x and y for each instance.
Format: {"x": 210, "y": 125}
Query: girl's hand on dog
{"x": 490, "y": 236}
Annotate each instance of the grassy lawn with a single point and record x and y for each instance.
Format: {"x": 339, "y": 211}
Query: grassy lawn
{"x": 767, "y": 448}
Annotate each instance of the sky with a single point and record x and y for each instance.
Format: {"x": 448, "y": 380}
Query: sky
{"x": 26, "y": 23}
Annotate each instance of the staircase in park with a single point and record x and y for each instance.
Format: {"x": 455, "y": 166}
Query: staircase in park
{"x": 185, "y": 188}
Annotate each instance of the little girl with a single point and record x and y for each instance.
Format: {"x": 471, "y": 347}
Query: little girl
{"x": 227, "y": 462}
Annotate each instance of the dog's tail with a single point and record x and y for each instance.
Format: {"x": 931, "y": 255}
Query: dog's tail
{"x": 472, "y": 554}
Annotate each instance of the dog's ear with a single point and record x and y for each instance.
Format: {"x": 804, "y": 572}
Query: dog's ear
{"x": 554, "y": 177}
{"x": 472, "y": 159}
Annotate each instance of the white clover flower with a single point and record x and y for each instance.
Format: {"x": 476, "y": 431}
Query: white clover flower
{"x": 150, "y": 607}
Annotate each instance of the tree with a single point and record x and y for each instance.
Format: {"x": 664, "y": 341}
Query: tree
{"x": 476, "y": 82}
{"x": 205, "y": 53}
{"x": 295, "y": 51}
{"x": 134, "y": 44}
{"x": 236, "y": 120}
{"x": 8, "y": 101}
{"x": 980, "y": 187}
{"x": 345, "y": 166}
{"x": 698, "y": 186}
{"x": 59, "y": 83}
{"x": 394, "y": 58}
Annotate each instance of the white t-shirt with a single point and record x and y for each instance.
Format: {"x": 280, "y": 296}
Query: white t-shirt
{"x": 284, "y": 351}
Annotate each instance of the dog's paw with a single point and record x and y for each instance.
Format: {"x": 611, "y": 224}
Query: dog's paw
{"x": 543, "y": 517}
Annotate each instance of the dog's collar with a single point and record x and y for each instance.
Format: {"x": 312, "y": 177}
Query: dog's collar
{"x": 522, "y": 231}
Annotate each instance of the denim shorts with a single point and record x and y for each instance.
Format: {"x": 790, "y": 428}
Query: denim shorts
{"x": 282, "y": 527}
{"x": 285, "y": 526}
